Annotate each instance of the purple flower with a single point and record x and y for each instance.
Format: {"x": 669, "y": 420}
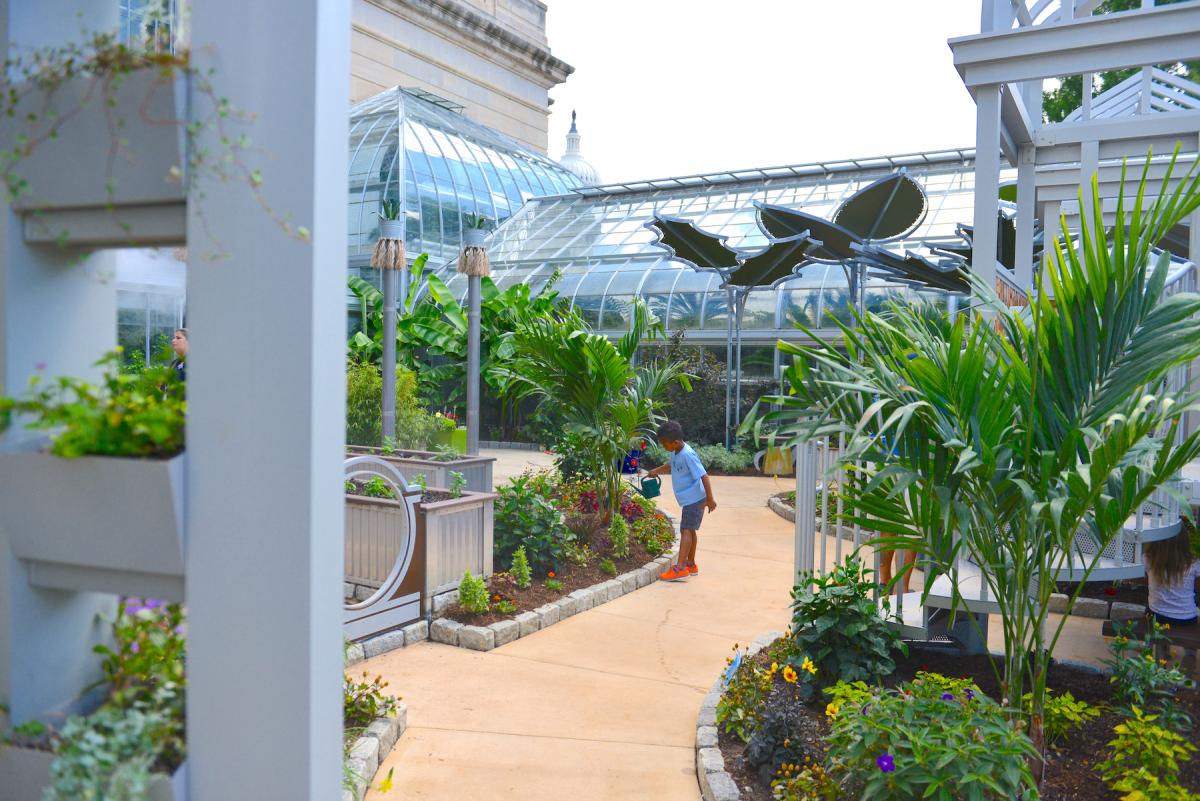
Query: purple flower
{"x": 970, "y": 695}
{"x": 134, "y": 647}
{"x": 40, "y": 366}
{"x": 179, "y": 629}
{"x": 947, "y": 696}
{"x": 885, "y": 762}
{"x": 153, "y": 604}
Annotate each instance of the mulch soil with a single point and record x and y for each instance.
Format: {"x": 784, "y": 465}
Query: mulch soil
{"x": 1071, "y": 773}
{"x": 572, "y": 576}
{"x": 1132, "y": 591}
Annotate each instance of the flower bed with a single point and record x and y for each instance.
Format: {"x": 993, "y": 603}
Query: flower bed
{"x": 840, "y": 709}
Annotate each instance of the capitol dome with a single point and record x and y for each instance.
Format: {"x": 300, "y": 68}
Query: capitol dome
{"x": 574, "y": 161}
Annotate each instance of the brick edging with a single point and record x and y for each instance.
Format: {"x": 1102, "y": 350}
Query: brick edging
{"x": 486, "y": 638}
{"x": 715, "y": 782}
{"x": 782, "y": 509}
{"x": 371, "y": 748}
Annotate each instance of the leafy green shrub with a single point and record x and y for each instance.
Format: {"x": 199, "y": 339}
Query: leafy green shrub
{"x": 572, "y": 459}
{"x": 836, "y": 623}
{"x": 716, "y": 459}
{"x": 138, "y": 415}
{"x": 148, "y": 654}
{"x": 552, "y": 584}
{"x": 376, "y": 487}
{"x": 363, "y": 701}
{"x": 364, "y": 407}
{"x": 1141, "y": 680}
{"x": 1146, "y": 758}
{"x": 525, "y": 515}
{"x": 520, "y": 569}
{"x": 1062, "y": 714}
{"x": 473, "y": 594}
{"x": 654, "y": 532}
{"x": 607, "y": 567}
{"x": 918, "y": 742}
{"x": 778, "y": 738}
{"x": 618, "y": 532}
{"x": 458, "y": 483}
{"x": 745, "y": 692}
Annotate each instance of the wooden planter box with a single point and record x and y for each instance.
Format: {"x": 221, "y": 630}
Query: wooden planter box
{"x": 384, "y": 551}
{"x": 77, "y": 185}
{"x": 26, "y": 772}
{"x": 458, "y": 537}
{"x": 97, "y": 523}
{"x": 477, "y": 470}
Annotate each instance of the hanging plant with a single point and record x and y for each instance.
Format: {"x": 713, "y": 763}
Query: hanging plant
{"x": 389, "y": 250}
{"x": 473, "y": 261}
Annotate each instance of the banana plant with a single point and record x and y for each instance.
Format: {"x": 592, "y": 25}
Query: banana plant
{"x": 367, "y": 342}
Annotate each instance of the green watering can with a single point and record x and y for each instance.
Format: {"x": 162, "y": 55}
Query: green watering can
{"x": 650, "y": 487}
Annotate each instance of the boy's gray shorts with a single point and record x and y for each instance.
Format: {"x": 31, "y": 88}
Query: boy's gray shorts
{"x": 693, "y": 513}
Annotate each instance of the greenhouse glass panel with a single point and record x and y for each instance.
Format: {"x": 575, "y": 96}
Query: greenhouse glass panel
{"x": 800, "y": 307}
{"x": 758, "y": 361}
{"x": 589, "y": 309}
{"x": 615, "y": 314}
{"x": 759, "y": 312}
{"x": 716, "y": 312}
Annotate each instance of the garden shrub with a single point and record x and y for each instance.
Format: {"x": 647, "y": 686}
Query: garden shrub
{"x": 655, "y": 533}
{"x": 808, "y": 782}
{"x": 778, "y": 736}
{"x": 364, "y": 402}
{"x": 919, "y": 742}
{"x": 1142, "y": 681}
{"x": 618, "y": 532}
{"x": 473, "y": 594}
{"x": 744, "y": 692}
{"x": 716, "y": 459}
{"x": 520, "y": 570}
{"x": 525, "y": 515}
{"x": 607, "y": 567}
{"x": 1146, "y": 759}
{"x": 1062, "y": 714}
{"x": 655, "y": 455}
{"x": 836, "y": 623}
{"x": 364, "y": 701}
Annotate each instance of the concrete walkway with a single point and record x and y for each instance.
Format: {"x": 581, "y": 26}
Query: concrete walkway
{"x": 603, "y": 705}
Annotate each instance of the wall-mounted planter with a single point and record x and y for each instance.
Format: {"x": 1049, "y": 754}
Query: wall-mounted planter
{"x": 26, "y": 772}
{"x": 476, "y": 470}
{"x": 76, "y": 183}
{"x": 457, "y": 533}
{"x": 97, "y": 523}
{"x": 456, "y": 439}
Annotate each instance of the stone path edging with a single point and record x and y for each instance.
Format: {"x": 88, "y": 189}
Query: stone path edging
{"x": 782, "y": 509}
{"x": 715, "y": 782}
{"x": 371, "y": 748}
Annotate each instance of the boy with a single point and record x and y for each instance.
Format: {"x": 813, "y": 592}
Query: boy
{"x": 693, "y": 491}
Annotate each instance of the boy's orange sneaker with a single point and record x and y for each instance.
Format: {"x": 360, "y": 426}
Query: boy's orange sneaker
{"x": 693, "y": 570}
{"x": 674, "y": 573}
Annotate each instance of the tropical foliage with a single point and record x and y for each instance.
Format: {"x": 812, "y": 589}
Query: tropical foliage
{"x": 1004, "y": 435}
{"x": 592, "y": 388}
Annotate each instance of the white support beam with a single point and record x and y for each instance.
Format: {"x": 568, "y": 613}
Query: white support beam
{"x": 987, "y": 182}
{"x": 266, "y": 413}
{"x": 1026, "y": 217}
{"x": 1130, "y": 39}
{"x": 1153, "y": 125}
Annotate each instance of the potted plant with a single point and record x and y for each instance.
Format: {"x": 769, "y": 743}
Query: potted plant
{"x": 434, "y": 467}
{"x": 99, "y": 505}
{"x": 475, "y": 230}
{"x": 132, "y": 744}
{"x": 391, "y": 223}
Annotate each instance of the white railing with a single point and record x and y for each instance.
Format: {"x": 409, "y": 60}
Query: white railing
{"x": 1031, "y": 13}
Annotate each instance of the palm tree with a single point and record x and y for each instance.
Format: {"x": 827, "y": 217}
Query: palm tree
{"x": 1006, "y": 435}
{"x": 592, "y": 388}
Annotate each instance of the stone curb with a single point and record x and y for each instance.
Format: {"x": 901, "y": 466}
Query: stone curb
{"x": 487, "y": 638}
{"x": 371, "y": 748}
{"x": 1097, "y": 609}
{"x": 782, "y": 509}
{"x": 715, "y": 782}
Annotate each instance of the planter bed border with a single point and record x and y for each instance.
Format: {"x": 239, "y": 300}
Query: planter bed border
{"x": 372, "y": 747}
{"x": 443, "y": 630}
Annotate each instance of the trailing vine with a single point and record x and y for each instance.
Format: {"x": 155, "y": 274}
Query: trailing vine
{"x": 27, "y": 100}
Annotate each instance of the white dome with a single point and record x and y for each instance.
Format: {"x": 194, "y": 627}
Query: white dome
{"x": 573, "y": 160}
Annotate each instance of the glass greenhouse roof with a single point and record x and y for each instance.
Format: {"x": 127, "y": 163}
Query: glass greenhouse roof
{"x": 452, "y": 167}
{"x": 597, "y": 238}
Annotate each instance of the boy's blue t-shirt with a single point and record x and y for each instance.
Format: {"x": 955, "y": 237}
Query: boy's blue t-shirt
{"x": 686, "y": 475}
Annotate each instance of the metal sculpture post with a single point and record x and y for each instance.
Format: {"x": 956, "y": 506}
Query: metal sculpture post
{"x": 473, "y": 262}
{"x": 389, "y": 258}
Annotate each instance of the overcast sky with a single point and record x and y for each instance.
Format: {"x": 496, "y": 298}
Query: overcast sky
{"x": 673, "y": 87}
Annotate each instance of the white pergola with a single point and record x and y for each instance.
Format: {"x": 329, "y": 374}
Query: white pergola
{"x": 1022, "y": 44}
{"x": 262, "y": 494}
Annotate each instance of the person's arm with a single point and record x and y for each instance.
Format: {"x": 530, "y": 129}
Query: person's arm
{"x": 709, "y": 501}
{"x": 662, "y": 469}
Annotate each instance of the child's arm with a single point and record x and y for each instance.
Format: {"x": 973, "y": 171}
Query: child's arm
{"x": 709, "y": 501}
{"x": 665, "y": 467}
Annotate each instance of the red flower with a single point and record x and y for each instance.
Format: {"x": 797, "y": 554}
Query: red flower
{"x": 633, "y": 462}
{"x": 1110, "y": 590}
{"x": 550, "y": 574}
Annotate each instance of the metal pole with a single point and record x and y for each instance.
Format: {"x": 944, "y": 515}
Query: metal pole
{"x": 473, "y": 293}
{"x": 806, "y": 513}
{"x": 737, "y": 402}
{"x": 728, "y": 361}
{"x": 389, "y": 354}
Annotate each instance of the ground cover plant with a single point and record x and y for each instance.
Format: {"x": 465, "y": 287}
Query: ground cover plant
{"x": 1003, "y": 438}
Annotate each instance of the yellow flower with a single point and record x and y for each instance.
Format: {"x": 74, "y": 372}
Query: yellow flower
{"x": 831, "y": 711}
{"x": 1165, "y": 627}
{"x": 789, "y": 675}
{"x": 774, "y": 668}
{"x": 809, "y": 666}
{"x": 1150, "y": 658}
{"x": 1162, "y": 662}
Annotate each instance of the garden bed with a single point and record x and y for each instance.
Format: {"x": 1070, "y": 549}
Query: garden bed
{"x": 1071, "y": 773}
{"x": 502, "y": 586}
{"x": 1131, "y": 591}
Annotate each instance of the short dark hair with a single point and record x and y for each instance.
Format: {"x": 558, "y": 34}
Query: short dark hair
{"x": 670, "y": 431}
